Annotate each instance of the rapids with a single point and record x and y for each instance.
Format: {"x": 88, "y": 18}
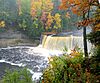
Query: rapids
{"x": 35, "y": 59}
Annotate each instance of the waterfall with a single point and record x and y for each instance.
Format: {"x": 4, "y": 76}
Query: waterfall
{"x": 60, "y": 42}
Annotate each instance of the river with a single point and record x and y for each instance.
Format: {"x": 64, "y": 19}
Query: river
{"x": 34, "y": 58}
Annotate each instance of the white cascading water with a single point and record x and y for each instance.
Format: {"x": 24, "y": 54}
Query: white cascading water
{"x": 57, "y": 43}
{"x": 60, "y": 42}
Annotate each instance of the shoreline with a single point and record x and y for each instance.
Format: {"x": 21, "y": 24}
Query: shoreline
{"x": 18, "y": 42}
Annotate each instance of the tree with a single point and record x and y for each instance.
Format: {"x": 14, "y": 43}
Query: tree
{"x": 8, "y": 11}
{"x": 49, "y": 20}
{"x": 94, "y": 36}
{"x": 40, "y": 6}
{"x": 82, "y": 9}
{"x": 42, "y": 9}
{"x": 57, "y": 19}
{"x": 53, "y": 22}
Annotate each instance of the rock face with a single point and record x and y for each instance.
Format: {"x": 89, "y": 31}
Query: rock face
{"x": 12, "y": 37}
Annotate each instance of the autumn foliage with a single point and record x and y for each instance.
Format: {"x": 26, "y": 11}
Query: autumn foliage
{"x": 80, "y": 8}
{"x": 43, "y": 10}
{"x": 54, "y": 20}
{"x": 40, "y": 6}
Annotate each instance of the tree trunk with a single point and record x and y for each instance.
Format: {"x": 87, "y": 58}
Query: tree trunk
{"x": 85, "y": 42}
{"x": 85, "y": 39}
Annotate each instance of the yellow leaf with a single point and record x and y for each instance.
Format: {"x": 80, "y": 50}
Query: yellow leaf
{"x": 2, "y": 24}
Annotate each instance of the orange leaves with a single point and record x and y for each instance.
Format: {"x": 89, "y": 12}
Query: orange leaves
{"x": 63, "y": 7}
{"x": 74, "y": 9}
{"x": 84, "y": 7}
{"x": 96, "y": 23}
{"x": 41, "y": 5}
{"x": 78, "y": 7}
{"x": 64, "y": 1}
{"x": 85, "y": 22}
{"x": 77, "y": 2}
{"x": 33, "y": 9}
{"x": 71, "y": 1}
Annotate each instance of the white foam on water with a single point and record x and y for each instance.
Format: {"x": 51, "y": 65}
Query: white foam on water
{"x": 35, "y": 75}
{"x": 55, "y": 52}
{"x": 20, "y": 65}
{"x": 39, "y": 49}
{"x": 44, "y": 52}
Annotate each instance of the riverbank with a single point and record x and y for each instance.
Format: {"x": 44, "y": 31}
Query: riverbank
{"x": 13, "y": 37}
{"x": 18, "y": 42}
